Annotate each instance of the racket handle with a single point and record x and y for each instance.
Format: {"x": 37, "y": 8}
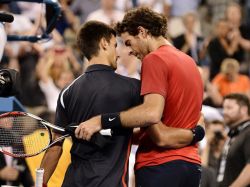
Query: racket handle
{"x": 96, "y": 139}
{"x": 39, "y": 177}
{"x": 71, "y": 129}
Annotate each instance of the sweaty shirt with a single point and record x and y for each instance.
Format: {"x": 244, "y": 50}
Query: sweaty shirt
{"x": 174, "y": 75}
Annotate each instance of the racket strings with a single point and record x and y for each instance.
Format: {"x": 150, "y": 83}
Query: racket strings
{"x": 26, "y": 135}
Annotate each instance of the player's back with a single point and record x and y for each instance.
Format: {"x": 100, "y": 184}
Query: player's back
{"x": 100, "y": 90}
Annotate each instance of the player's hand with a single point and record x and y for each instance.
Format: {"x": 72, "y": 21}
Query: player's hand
{"x": 86, "y": 129}
{"x": 9, "y": 173}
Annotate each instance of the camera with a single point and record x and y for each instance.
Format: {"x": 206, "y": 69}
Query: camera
{"x": 9, "y": 78}
{"x": 218, "y": 135}
{"x": 9, "y": 82}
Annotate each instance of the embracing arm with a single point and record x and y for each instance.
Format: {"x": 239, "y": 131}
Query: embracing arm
{"x": 146, "y": 114}
{"x": 50, "y": 160}
{"x": 170, "y": 137}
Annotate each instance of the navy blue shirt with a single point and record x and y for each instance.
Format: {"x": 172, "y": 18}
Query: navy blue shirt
{"x": 100, "y": 90}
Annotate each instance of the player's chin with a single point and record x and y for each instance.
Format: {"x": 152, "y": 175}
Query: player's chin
{"x": 137, "y": 55}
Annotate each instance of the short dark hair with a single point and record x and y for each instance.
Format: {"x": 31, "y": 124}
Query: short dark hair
{"x": 90, "y": 35}
{"x": 241, "y": 100}
{"x": 154, "y": 22}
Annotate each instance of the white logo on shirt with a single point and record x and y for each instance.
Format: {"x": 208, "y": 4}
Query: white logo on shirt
{"x": 111, "y": 119}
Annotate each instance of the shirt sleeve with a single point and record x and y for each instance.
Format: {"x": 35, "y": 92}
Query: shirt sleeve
{"x": 61, "y": 119}
{"x": 154, "y": 76}
{"x": 137, "y": 99}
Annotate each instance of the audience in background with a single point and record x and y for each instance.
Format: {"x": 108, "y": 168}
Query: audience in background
{"x": 190, "y": 42}
{"x": 234, "y": 165}
{"x": 14, "y": 171}
{"x": 229, "y": 80}
{"x": 107, "y": 13}
{"x": 222, "y": 46}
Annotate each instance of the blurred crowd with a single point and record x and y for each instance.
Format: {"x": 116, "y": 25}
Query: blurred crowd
{"x": 215, "y": 33}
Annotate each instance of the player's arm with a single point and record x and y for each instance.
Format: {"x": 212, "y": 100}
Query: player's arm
{"x": 243, "y": 179}
{"x": 50, "y": 159}
{"x": 148, "y": 113}
{"x": 169, "y": 137}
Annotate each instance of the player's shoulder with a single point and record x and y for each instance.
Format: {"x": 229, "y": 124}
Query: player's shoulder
{"x": 68, "y": 89}
{"x": 133, "y": 83}
{"x": 127, "y": 79}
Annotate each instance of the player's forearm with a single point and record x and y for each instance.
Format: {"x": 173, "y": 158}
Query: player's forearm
{"x": 139, "y": 117}
{"x": 243, "y": 179}
{"x": 148, "y": 113}
{"x": 169, "y": 137}
{"x": 50, "y": 161}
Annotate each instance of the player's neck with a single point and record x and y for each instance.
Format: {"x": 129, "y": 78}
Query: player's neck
{"x": 99, "y": 60}
{"x": 155, "y": 43}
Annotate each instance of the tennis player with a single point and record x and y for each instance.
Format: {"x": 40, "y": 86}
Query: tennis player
{"x": 172, "y": 92}
{"x": 99, "y": 90}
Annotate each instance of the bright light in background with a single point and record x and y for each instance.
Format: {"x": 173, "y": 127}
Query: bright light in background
{"x": 3, "y": 39}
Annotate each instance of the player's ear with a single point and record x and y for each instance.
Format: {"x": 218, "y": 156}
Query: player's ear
{"x": 142, "y": 31}
{"x": 103, "y": 44}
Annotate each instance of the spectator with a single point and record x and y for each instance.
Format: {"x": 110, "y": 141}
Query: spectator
{"x": 234, "y": 165}
{"x": 242, "y": 31}
{"x": 229, "y": 80}
{"x": 107, "y": 13}
{"x": 82, "y": 8}
{"x": 221, "y": 47}
{"x": 190, "y": 42}
{"x": 68, "y": 21}
{"x": 14, "y": 171}
{"x": 215, "y": 139}
{"x": 233, "y": 15}
{"x": 55, "y": 71}
{"x": 162, "y": 6}
{"x": 179, "y": 8}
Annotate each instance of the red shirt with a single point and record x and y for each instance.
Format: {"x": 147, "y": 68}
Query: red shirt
{"x": 174, "y": 75}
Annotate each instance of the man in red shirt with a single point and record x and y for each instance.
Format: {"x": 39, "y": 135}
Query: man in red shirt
{"x": 172, "y": 90}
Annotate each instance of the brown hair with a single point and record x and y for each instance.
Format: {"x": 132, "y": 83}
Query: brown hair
{"x": 90, "y": 35}
{"x": 155, "y": 23}
{"x": 241, "y": 99}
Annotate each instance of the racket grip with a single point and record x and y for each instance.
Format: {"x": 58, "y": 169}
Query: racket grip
{"x": 97, "y": 138}
{"x": 39, "y": 177}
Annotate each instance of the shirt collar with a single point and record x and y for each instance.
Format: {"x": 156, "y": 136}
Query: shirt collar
{"x": 99, "y": 67}
{"x": 236, "y": 130}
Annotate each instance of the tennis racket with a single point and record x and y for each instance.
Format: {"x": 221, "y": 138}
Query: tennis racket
{"x": 29, "y": 135}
